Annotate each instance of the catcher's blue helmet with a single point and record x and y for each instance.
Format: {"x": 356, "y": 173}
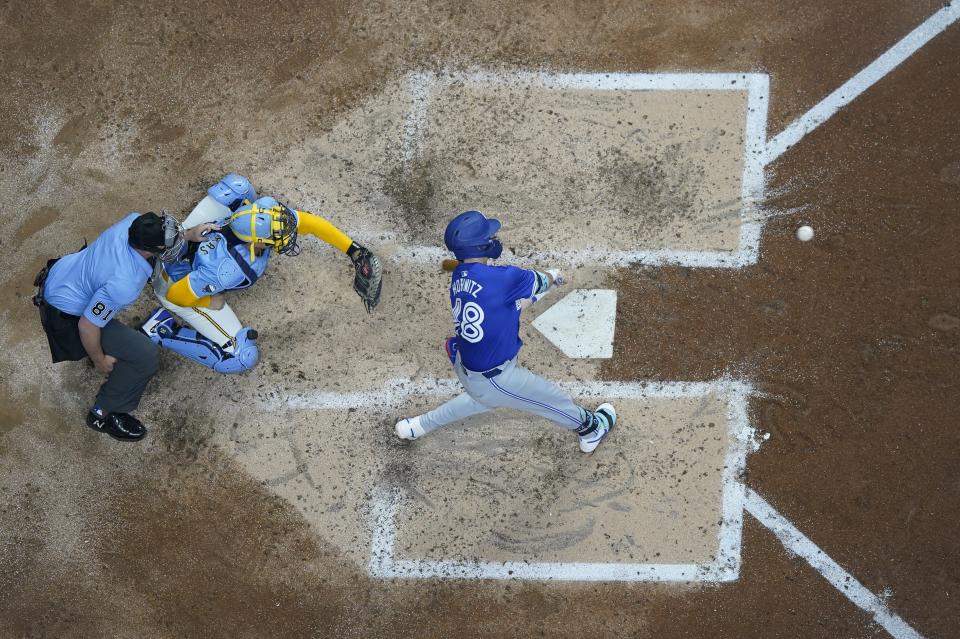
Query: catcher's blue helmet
{"x": 267, "y": 221}
{"x": 232, "y": 191}
{"x": 470, "y": 234}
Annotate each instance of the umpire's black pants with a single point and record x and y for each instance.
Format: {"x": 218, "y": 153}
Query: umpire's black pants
{"x": 138, "y": 358}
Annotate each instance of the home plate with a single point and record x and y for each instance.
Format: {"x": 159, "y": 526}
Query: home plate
{"x": 581, "y": 324}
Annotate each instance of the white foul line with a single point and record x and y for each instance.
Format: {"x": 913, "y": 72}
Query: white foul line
{"x": 724, "y": 567}
{"x": 862, "y": 81}
{"x": 797, "y": 543}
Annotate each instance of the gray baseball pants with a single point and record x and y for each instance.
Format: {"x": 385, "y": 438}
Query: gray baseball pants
{"x": 513, "y": 387}
{"x": 138, "y": 359}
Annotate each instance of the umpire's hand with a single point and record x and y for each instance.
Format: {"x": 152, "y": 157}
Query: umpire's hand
{"x": 199, "y": 232}
{"x": 105, "y": 364}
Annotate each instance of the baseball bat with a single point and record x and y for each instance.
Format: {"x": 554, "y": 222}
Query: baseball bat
{"x": 449, "y": 265}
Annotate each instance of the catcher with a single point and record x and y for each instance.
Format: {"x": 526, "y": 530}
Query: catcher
{"x": 233, "y": 256}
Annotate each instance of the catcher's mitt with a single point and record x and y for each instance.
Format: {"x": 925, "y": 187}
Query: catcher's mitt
{"x": 368, "y": 276}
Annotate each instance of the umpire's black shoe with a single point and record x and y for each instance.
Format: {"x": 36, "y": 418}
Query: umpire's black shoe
{"x": 121, "y": 426}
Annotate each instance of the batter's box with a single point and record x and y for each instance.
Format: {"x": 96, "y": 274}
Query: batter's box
{"x": 611, "y": 168}
{"x": 507, "y": 496}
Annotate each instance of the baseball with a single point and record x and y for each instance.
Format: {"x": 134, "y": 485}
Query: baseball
{"x": 805, "y": 233}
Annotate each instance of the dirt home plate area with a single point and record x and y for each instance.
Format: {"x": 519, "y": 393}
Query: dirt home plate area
{"x": 784, "y": 462}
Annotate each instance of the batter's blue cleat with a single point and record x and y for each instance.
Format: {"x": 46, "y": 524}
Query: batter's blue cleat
{"x": 159, "y": 324}
{"x": 410, "y": 428}
{"x": 601, "y": 423}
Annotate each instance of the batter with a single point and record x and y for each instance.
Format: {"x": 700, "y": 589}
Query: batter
{"x": 486, "y": 302}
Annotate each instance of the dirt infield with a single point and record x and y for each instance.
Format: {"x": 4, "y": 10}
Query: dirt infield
{"x": 247, "y": 511}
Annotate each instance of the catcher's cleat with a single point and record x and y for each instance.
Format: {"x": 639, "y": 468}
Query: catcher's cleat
{"x": 601, "y": 423}
{"x": 410, "y": 428}
{"x": 120, "y": 426}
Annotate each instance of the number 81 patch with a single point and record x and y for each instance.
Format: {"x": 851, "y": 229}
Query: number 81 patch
{"x": 99, "y": 308}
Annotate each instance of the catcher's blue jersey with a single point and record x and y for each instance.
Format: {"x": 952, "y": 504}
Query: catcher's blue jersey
{"x": 222, "y": 262}
{"x": 219, "y": 265}
{"x": 486, "y": 313}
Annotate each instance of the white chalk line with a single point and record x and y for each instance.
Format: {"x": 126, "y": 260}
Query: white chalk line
{"x": 724, "y": 568}
{"x": 397, "y": 390}
{"x": 588, "y": 81}
{"x": 734, "y": 463}
{"x": 862, "y": 81}
{"x": 609, "y": 257}
{"x": 422, "y": 254}
{"x": 754, "y": 179}
{"x": 799, "y": 544}
{"x": 422, "y": 86}
{"x": 421, "y": 89}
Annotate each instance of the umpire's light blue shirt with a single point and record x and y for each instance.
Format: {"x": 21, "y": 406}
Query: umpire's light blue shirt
{"x": 102, "y": 279}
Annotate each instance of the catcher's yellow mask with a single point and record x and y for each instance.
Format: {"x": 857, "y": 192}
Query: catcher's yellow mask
{"x": 275, "y": 226}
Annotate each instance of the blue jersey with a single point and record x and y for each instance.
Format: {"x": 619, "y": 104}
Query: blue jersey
{"x": 100, "y": 280}
{"x": 486, "y": 312}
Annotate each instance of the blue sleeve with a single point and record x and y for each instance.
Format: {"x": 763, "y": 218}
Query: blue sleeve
{"x": 108, "y": 301}
{"x": 519, "y": 283}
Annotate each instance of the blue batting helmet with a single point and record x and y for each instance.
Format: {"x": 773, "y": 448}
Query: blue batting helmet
{"x": 470, "y": 234}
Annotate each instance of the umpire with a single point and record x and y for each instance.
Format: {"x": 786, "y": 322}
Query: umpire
{"x": 80, "y": 295}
